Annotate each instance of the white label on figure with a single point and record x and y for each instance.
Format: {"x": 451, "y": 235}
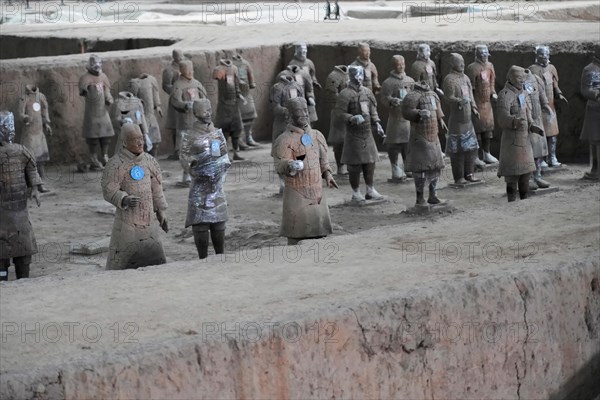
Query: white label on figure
{"x": 364, "y": 107}
{"x": 293, "y": 93}
{"x": 230, "y": 79}
{"x": 36, "y": 106}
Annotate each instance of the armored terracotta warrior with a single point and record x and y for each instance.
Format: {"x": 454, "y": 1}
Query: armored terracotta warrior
{"x": 358, "y": 109}
{"x": 303, "y": 78}
{"x": 33, "y": 109}
{"x": 537, "y": 103}
{"x": 305, "y": 63}
{"x": 229, "y": 118}
{"x": 247, "y": 110}
{"x": 363, "y": 59}
{"x": 423, "y": 109}
{"x": 97, "y": 127}
{"x": 337, "y": 80}
{"x": 461, "y": 144}
{"x": 18, "y": 177}
{"x": 423, "y": 69}
{"x": 204, "y": 157}
{"x": 514, "y": 117}
{"x": 170, "y": 75}
{"x": 129, "y": 109}
{"x": 549, "y": 75}
{"x": 284, "y": 89}
{"x": 300, "y": 155}
{"x": 185, "y": 90}
{"x": 483, "y": 78}
{"x": 590, "y": 89}
{"x": 132, "y": 182}
{"x": 393, "y": 90}
{"x": 146, "y": 89}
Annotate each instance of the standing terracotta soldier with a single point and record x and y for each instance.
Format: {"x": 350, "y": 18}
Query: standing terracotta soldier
{"x": 422, "y": 107}
{"x": 185, "y": 90}
{"x": 483, "y": 78}
{"x": 337, "y": 80}
{"x": 229, "y": 118}
{"x": 393, "y": 90}
{"x": 284, "y": 89}
{"x": 18, "y": 176}
{"x": 461, "y": 144}
{"x": 514, "y": 117}
{"x": 204, "y": 154}
{"x": 146, "y": 89}
{"x": 537, "y": 103}
{"x": 33, "y": 109}
{"x": 549, "y": 75}
{"x": 303, "y": 78}
{"x": 305, "y": 63}
{"x": 358, "y": 109}
{"x": 300, "y": 154}
{"x": 132, "y": 182}
{"x": 247, "y": 110}
{"x": 590, "y": 89}
{"x": 423, "y": 69}
{"x": 97, "y": 127}
{"x": 363, "y": 59}
{"x": 170, "y": 75}
{"x": 129, "y": 109}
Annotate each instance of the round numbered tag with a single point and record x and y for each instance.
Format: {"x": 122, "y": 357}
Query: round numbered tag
{"x": 306, "y": 139}
{"x": 137, "y": 173}
{"x": 36, "y": 106}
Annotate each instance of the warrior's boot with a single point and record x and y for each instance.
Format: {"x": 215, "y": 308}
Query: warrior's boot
{"x": 218, "y": 240}
{"x": 488, "y": 158}
{"x": 511, "y": 191}
{"x": 470, "y": 168}
{"x": 249, "y": 139}
{"x": 373, "y": 194}
{"x": 537, "y": 176}
{"x": 433, "y": 199}
{"x": 357, "y": 195}
{"x": 95, "y": 164}
{"x": 185, "y": 180}
{"x": 342, "y": 169}
{"x": 201, "y": 241}
{"x": 552, "y": 160}
{"x": 592, "y": 175}
{"x": 420, "y": 189}
{"x": 42, "y": 172}
{"x": 22, "y": 266}
{"x": 524, "y": 186}
{"x": 104, "y": 144}
{"x": 457, "y": 161}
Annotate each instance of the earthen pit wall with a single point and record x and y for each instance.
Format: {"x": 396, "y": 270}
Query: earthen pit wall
{"x": 58, "y": 78}
{"x": 432, "y": 342}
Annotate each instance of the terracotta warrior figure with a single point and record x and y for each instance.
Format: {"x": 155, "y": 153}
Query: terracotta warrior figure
{"x": 461, "y": 144}
{"x": 423, "y": 69}
{"x": 185, "y": 90}
{"x": 146, "y": 89}
{"x": 358, "y": 109}
{"x": 247, "y": 110}
{"x": 305, "y": 63}
{"x": 303, "y": 78}
{"x": 97, "y": 127}
{"x": 33, "y": 109}
{"x": 170, "y": 75}
{"x": 514, "y": 117}
{"x": 538, "y": 104}
{"x": 229, "y": 118}
{"x": 337, "y": 80}
{"x": 422, "y": 107}
{"x": 132, "y": 182}
{"x": 483, "y": 78}
{"x": 129, "y": 109}
{"x": 204, "y": 157}
{"x": 300, "y": 155}
{"x": 363, "y": 59}
{"x": 549, "y": 75}
{"x": 18, "y": 176}
{"x": 393, "y": 90}
{"x": 590, "y": 89}
{"x": 284, "y": 89}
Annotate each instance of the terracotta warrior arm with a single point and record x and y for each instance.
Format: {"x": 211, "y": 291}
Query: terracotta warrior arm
{"x": 557, "y": 91}
{"x": 83, "y": 84}
{"x": 341, "y": 105}
{"x": 168, "y": 80}
{"x": 323, "y": 158}
{"x": 158, "y": 197}
{"x": 375, "y": 78}
{"x": 111, "y": 185}
{"x": 44, "y": 104}
{"x": 22, "y": 109}
{"x": 176, "y": 99}
{"x": 506, "y": 120}
{"x": 373, "y": 108}
{"x": 32, "y": 178}
{"x": 410, "y": 110}
{"x": 452, "y": 91}
{"x": 493, "y": 80}
{"x": 276, "y": 99}
{"x": 108, "y": 99}
{"x": 250, "y": 73}
{"x": 155, "y": 93}
{"x": 282, "y": 155}
{"x": 387, "y": 90}
{"x": 144, "y": 124}
{"x": 542, "y": 92}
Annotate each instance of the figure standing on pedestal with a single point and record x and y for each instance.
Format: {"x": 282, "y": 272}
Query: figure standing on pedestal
{"x": 549, "y": 75}
{"x": 423, "y": 69}
{"x": 514, "y": 117}
{"x": 300, "y": 155}
{"x": 423, "y": 109}
{"x": 483, "y": 79}
{"x": 393, "y": 91}
{"x": 461, "y": 144}
{"x": 358, "y": 109}
{"x": 337, "y": 80}
{"x": 590, "y": 89}
{"x": 537, "y": 103}
{"x": 132, "y": 182}
{"x": 170, "y": 75}
{"x": 33, "y": 110}
{"x": 146, "y": 89}
{"x": 19, "y": 180}
{"x": 303, "y": 78}
{"x": 204, "y": 156}
{"x": 97, "y": 127}
{"x": 129, "y": 109}
{"x": 371, "y": 80}
{"x": 185, "y": 90}
{"x": 247, "y": 110}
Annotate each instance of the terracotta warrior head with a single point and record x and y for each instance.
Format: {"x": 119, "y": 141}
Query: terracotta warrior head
{"x": 203, "y": 110}
{"x": 300, "y": 52}
{"x": 482, "y": 53}
{"x": 422, "y": 86}
{"x": 94, "y": 65}
{"x": 178, "y": 55}
{"x": 399, "y": 64}
{"x": 542, "y": 55}
{"x": 457, "y": 62}
{"x": 356, "y": 73}
{"x": 186, "y": 69}
{"x": 285, "y": 76}
{"x": 7, "y": 127}
{"x": 516, "y": 76}
{"x": 133, "y": 140}
{"x": 423, "y": 52}
{"x": 298, "y": 111}
{"x": 364, "y": 51}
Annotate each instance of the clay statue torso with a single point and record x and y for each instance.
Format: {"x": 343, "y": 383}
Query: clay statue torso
{"x": 336, "y": 81}
{"x": 424, "y": 70}
{"x": 549, "y": 77}
{"x": 34, "y": 105}
{"x": 590, "y": 87}
{"x": 96, "y": 121}
{"x": 483, "y": 79}
{"x": 185, "y": 90}
{"x": 396, "y": 86}
{"x": 146, "y": 89}
{"x": 371, "y": 76}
